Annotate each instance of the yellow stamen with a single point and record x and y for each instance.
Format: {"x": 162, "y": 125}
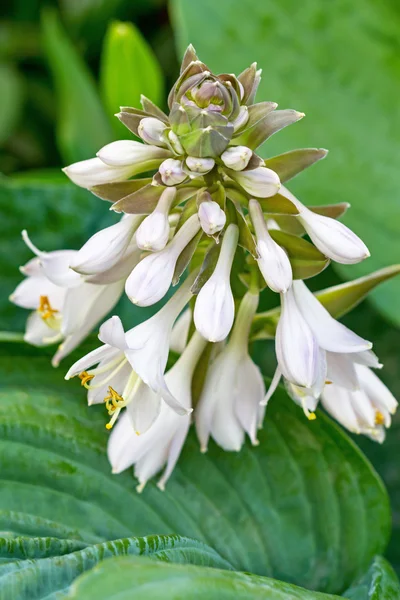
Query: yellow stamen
{"x": 311, "y": 416}
{"x": 114, "y": 403}
{"x": 379, "y": 418}
{"x": 45, "y": 309}
{"x": 85, "y": 377}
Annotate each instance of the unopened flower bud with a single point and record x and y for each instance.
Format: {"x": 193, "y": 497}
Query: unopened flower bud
{"x": 260, "y": 182}
{"x": 153, "y": 232}
{"x": 128, "y": 152}
{"x": 175, "y": 143}
{"x": 214, "y": 310}
{"x": 151, "y": 131}
{"x": 241, "y": 119}
{"x": 152, "y": 277}
{"x": 200, "y": 165}
{"x": 236, "y": 157}
{"x": 171, "y": 172}
{"x": 273, "y": 261}
{"x": 212, "y": 217}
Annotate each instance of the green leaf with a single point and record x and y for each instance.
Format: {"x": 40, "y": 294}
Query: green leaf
{"x": 341, "y": 69}
{"x": 291, "y": 163}
{"x": 125, "y": 578}
{"x": 379, "y": 583}
{"x": 38, "y": 568}
{"x": 82, "y": 126}
{"x": 304, "y": 506}
{"x": 306, "y": 260}
{"x": 129, "y": 70}
{"x": 11, "y": 101}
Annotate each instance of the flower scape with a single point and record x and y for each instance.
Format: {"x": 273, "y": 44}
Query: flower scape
{"x": 216, "y": 218}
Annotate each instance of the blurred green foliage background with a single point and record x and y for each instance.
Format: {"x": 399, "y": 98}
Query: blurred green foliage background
{"x": 67, "y": 66}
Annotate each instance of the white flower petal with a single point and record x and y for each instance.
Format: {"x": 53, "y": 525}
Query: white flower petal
{"x": 236, "y": 157}
{"x": 260, "y": 182}
{"x": 125, "y": 153}
{"x": 212, "y": 217}
{"x": 331, "y": 334}
{"x": 37, "y": 332}
{"x": 180, "y": 331}
{"x": 112, "y": 333}
{"x": 144, "y": 409}
{"x": 342, "y": 371}
{"x": 88, "y": 173}
{"x": 103, "y": 353}
{"x": 376, "y": 390}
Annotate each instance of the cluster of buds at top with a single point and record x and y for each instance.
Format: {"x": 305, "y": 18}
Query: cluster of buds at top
{"x": 213, "y": 208}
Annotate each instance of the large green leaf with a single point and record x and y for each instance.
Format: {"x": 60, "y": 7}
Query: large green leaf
{"x": 304, "y": 506}
{"x": 82, "y": 126}
{"x": 337, "y": 62}
{"x": 128, "y": 70}
{"x": 42, "y": 568}
{"x": 126, "y": 578}
{"x": 379, "y": 583}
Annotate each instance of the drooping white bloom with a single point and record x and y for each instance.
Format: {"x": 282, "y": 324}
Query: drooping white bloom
{"x": 330, "y": 334}
{"x": 162, "y": 443}
{"x": 61, "y": 314}
{"x": 106, "y": 247}
{"x": 151, "y": 130}
{"x": 212, "y": 217}
{"x": 273, "y": 261}
{"x": 116, "y": 162}
{"x": 366, "y": 410}
{"x": 331, "y": 237}
{"x": 152, "y": 277}
{"x": 171, "y": 172}
{"x": 236, "y": 157}
{"x": 229, "y": 404}
{"x": 214, "y": 310}
{"x": 200, "y": 165}
{"x": 260, "y": 182}
{"x": 299, "y": 356}
{"x": 153, "y": 232}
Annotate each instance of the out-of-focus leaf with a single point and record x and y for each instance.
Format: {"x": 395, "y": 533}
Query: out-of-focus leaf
{"x": 127, "y": 577}
{"x": 44, "y": 567}
{"x": 128, "y": 70}
{"x": 11, "y": 100}
{"x": 304, "y": 506}
{"x": 379, "y": 583}
{"x": 338, "y": 300}
{"x": 337, "y": 62}
{"x": 291, "y": 163}
{"x": 82, "y": 126}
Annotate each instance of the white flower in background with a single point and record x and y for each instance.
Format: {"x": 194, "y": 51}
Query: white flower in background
{"x": 171, "y": 172}
{"x": 366, "y": 410}
{"x": 229, "y": 404}
{"x": 151, "y": 130}
{"x": 180, "y": 331}
{"x": 331, "y": 237}
{"x": 106, "y": 247}
{"x": 273, "y": 261}
{"x": 212, "y": 217}
{"x": 117, "y": 161}
{"x": 151, "y": 278}
{"x": 153, "y": 232}
{"x": 214, "y": 310}
{"x": 260, "y": 182}
{"x": 66, "y": 313}
{"x": 236, "y": 157}
{"x": 162, "y": 443}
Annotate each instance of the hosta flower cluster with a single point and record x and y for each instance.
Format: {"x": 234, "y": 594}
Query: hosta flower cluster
{"x": 201, "y": 208}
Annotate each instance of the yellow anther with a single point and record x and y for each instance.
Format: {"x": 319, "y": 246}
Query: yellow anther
{"x": 114, "y": 403}
{"x": 45, "y": 309}
{"x": 311, "y": 416}
{"x": 85, "y": 377}
{"x": 379, "y": 418}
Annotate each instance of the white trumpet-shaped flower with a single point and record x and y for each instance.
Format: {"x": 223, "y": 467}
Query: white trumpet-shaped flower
{"x": 272, "y": 260}
{"x": 171, "y": 172}
{"x": 236, "y": 157}
{"x": 214, "y": 310}
{"x": 152, "y": 277}
{"x": 180, "y": 331}
{"x": 153, "y": 232}
{"x": 106, "y": 247}
{"x": 162, "y": 443}
{"x": 260, "y": 182}
{"x": 61, "y": 314}
{"x": 331, "y": 237}
{"x": 116, "y": 162}
{"x": 212, "y": 217}
{"x": 229, "y": 404}
{"x": 366, "y": 410}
